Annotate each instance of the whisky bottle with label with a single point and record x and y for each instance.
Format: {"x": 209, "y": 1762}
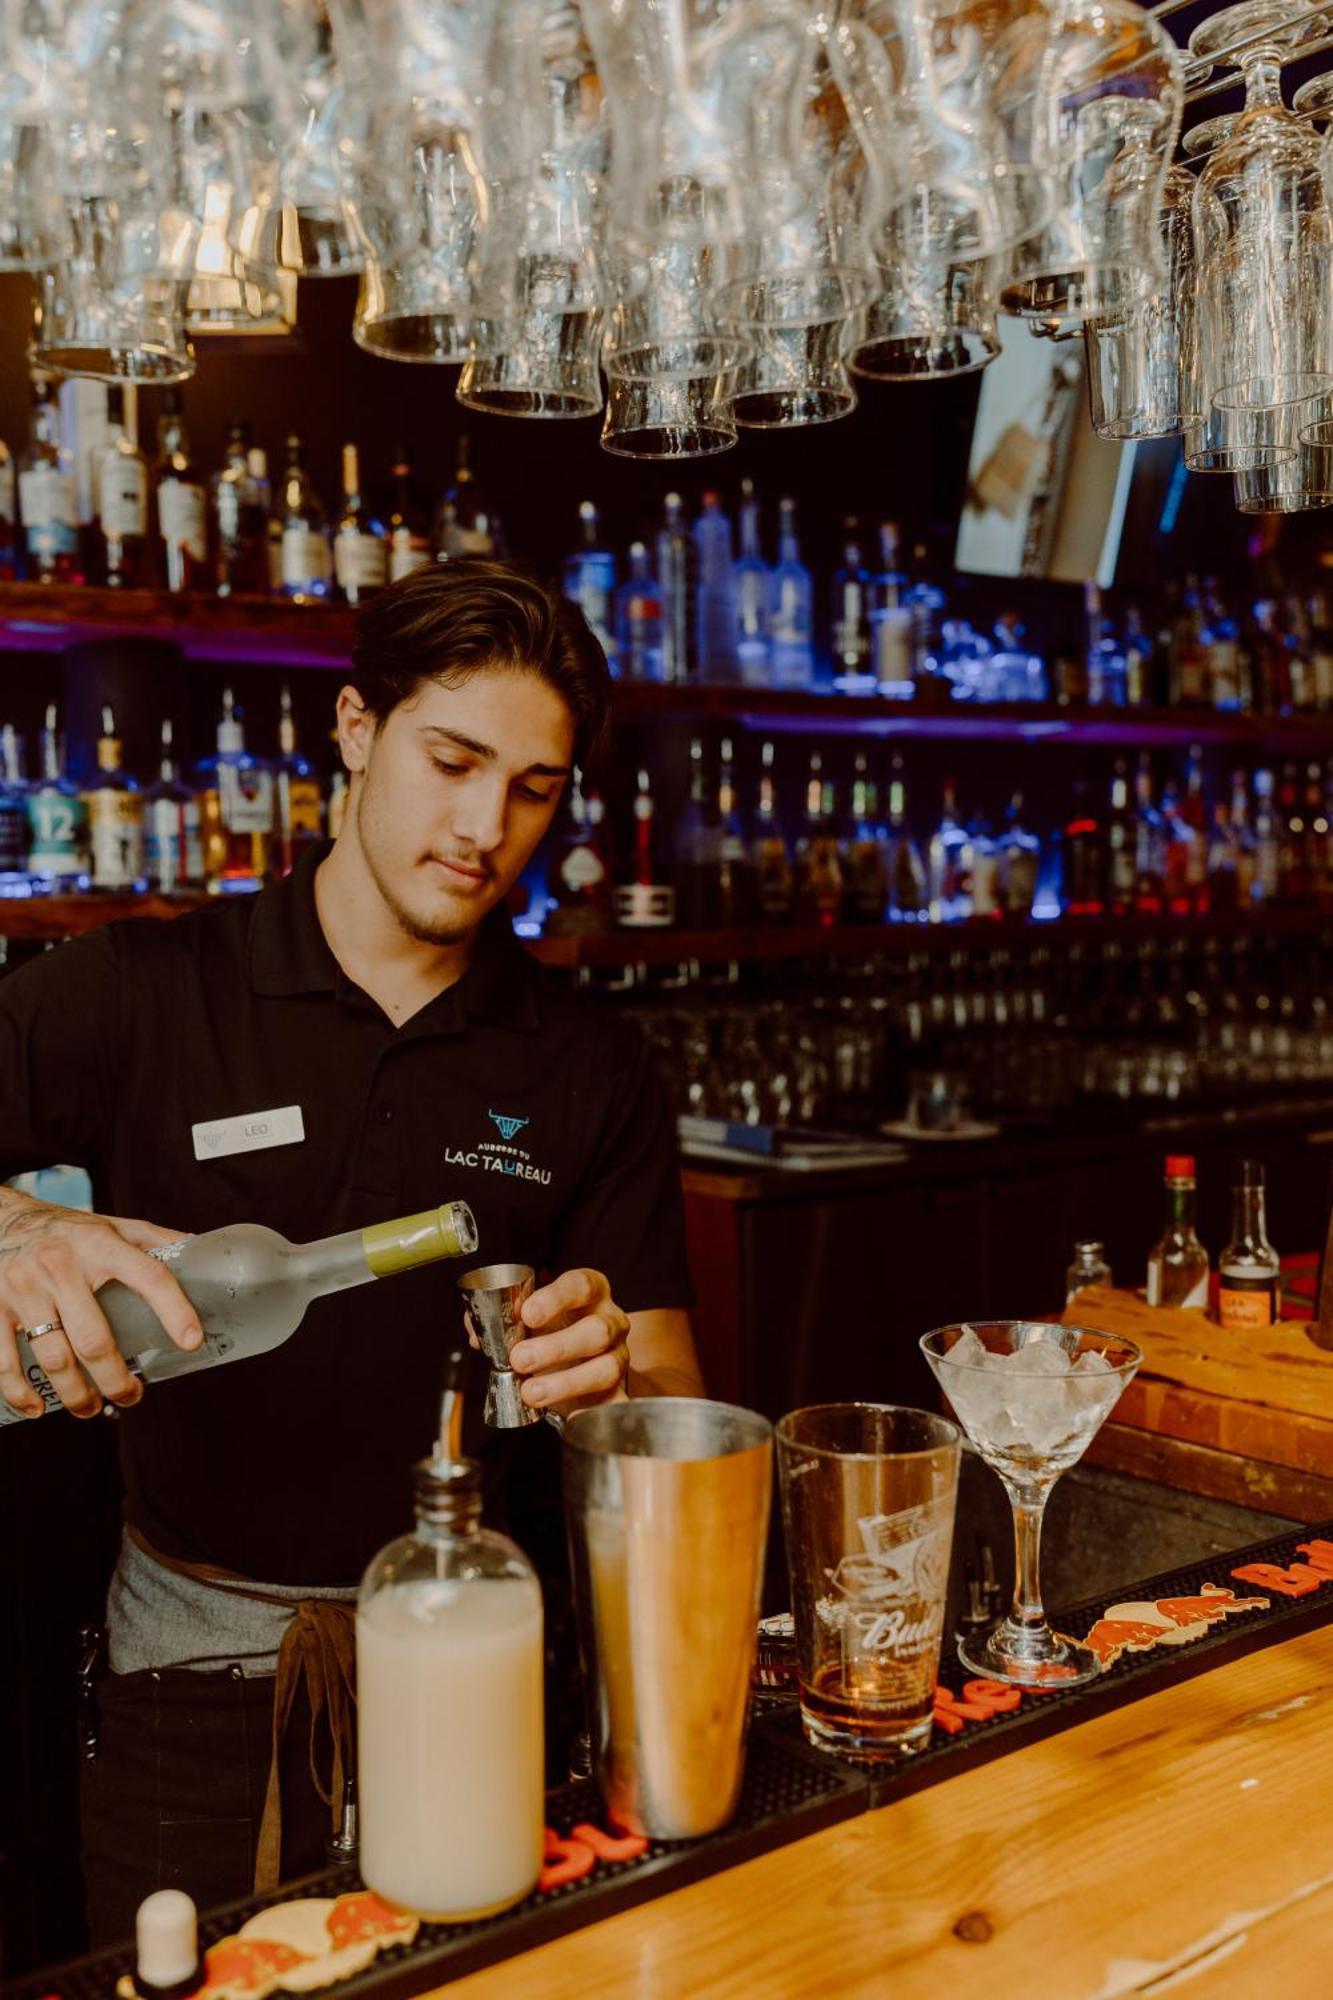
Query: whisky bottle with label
{"x": 360, "y": 550}
{"x": 15, "y": 876}
{"x": 1249, "y": 1271}
{"x": 300, "y": 808}
{"x": 115, "y": 817}
{"x": 182, "y": 504}
{"x": 866, "y": 859}
{"x": 251, "y": 1289}
{"x": 579, "y": 883}
{"x": 173, "y": 847}
{"x": 299, "y": 511}
{"x": 240, "y": 519}
{"x": 769, "y": 851}
{"x": 57, "y": 818}
{"x": 122, "y": 501}
{"x": 48, "y": 498}
{"x": 236, "y": 802}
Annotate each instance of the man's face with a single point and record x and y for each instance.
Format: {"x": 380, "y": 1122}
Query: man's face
{"x": 453, "y": 792}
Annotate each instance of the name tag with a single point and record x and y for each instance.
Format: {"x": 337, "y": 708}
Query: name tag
{"x": 250, "y": 1133}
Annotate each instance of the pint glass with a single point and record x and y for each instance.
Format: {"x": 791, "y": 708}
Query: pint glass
{"x": 867, "y": 1505}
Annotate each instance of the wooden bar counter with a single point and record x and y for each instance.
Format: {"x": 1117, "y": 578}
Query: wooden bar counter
{"x": 1181, "y": 1843}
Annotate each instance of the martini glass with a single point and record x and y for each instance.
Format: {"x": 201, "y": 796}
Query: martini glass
{"x": 1031, "y": 1397}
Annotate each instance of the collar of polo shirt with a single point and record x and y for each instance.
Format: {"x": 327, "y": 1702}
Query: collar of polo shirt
{"x": 289, "y": 955}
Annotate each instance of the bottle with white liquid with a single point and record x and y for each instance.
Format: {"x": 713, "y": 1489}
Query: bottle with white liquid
{"x": 450, "y": 1762}
{"x": 251, "y": 1288}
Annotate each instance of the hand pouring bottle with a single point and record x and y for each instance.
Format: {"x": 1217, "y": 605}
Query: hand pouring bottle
{"x": 251, "y": 1288}
{"x": 449, "y": 1709}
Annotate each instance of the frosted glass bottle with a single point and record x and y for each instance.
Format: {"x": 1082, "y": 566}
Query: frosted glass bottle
{"x": 450, "y": 1762}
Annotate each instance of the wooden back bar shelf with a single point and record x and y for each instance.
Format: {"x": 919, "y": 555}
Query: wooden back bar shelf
{"x": 260, "y": 630}
{"x": 45, "y": 918}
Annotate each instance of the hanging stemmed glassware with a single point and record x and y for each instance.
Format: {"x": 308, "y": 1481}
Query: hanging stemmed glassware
{"x": 34, "y": 95}
{"x": 540, "y": 272}
{"x": 1093, "y": 91}
{"x": 114, "y": 305}
{"x": 414, "y": 182}
{"x": 1263, "y": 230}
{"x": 1138, "y": 362}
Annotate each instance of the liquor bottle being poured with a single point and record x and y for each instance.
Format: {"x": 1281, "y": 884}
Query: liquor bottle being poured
{"x": 251, "y": 1288}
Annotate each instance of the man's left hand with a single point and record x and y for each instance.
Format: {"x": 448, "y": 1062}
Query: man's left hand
{"x": 577, "y": 1350}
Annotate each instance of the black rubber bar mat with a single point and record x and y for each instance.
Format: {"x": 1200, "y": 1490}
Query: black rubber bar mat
{"x": 790, "y": 1790}
{"x": 1133, "y": 1674}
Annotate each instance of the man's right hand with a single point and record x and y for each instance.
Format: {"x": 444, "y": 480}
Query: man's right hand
{"x": 52, "y": 1260}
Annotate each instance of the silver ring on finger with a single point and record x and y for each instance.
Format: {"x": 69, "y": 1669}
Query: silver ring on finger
{"x": 36, "y": 1332}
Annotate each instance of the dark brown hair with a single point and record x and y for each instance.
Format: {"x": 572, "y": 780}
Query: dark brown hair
{"x": 447, "y": 621}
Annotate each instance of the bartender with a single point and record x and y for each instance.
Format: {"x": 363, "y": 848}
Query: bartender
{"x": 378, "y": 1012}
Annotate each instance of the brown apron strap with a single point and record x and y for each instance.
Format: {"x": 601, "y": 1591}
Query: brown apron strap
{"x": 319, "y": 1648}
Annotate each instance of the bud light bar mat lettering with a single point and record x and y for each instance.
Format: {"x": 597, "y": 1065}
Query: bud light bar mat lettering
{"x": 1153, "y": 1633}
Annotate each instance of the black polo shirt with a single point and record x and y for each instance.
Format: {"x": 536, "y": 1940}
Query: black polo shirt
{"x": 537, "y": 1106}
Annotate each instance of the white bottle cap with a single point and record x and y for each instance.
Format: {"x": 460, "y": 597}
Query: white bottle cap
{"x": 166, "y": 1935}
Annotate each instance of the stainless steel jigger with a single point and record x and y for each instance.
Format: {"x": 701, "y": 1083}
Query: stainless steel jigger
{"x": 494, "y": 1297}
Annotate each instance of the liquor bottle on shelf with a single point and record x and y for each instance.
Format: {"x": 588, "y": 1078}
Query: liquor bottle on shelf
{"x": 299, "y": 813}
{"x": 1019, "y": 863}
{"x": 15, "y": 867}
{"x": 1249, "y": 1271}
{"x": 865, "y": 860}
{"x": 769, "y": 851}
{"x": 579, "y": 882}
{"x": 1243, "y": 842}
{"x": 1223, "y": 869}
{"x": 1267, "y": 841}
{"x": 590, "y": 580}
{"x": 236, "y": 809}
{"x": 1121, "y": 846}
{"x": 985, "y": 868}
{"x": 114, "y": 804}
{"x": 173, "y": 844}
{"x": 820, "y": 887}
{"x": 1178, "y": 1263}
{"x": 909, "y": 900}
{"x": 753, "y": 589}
{"x": 182, "y": 504}
{"x": 466, "y": 523}
{"x": 1019, "y": 673}
{"x": 949, "y": 864}
{"x": 791, "y": 625}
{"x": 675, "y": 582}
{"x": 251, "y": 1289}
{"x": 695, "y": 850}
{"x": 638, "y": 615}
{"x": 1187, "y": 666}
{"x": 1140, "y": 664}
{"x": 305, "y": 546}
{"x": 360, "y": 551}
{"x": 1194, "y": 813}
{"x": 1106, "y": 672}
{"x": 1300, "y": 662}
{"x": 122, "y": 501}
{"x": 646, "y": 902}
{"x": 57, "y": 818}
{"x": 48, "y": 497}
{"x": 9, "y": 514}
{"x": 1177, "y": 842}
{"x": 1082, "y": 858}
{"x": 1270, "y": 664}
{"x": 734, "y": 905}
{"x": 849, "y": 628}
{"x": 927, "y": 604}
{"x": 1293, "y": 853}
{"x": 890, "y": 618}
{"x": 1221, "y": 645}
{"x": 240, "y": 520}
{"x": 715, "y": 596}
{"x": 1316, "y": 835}
{"x": 1149, "y": 845}
{"x": 1321, "y": 651}
{"x": 409, "y": 544}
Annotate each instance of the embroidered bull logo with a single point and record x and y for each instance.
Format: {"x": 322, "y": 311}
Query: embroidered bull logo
{"x": 507, "y": 1127}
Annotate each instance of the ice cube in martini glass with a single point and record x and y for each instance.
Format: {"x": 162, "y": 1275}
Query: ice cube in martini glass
{"x": 1031, "y": 1397}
